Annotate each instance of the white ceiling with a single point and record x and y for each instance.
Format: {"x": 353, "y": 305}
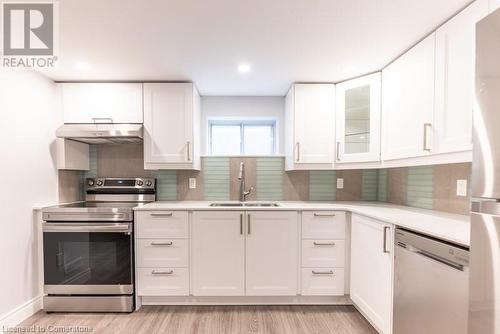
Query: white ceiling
{"x": 205, "y": 40}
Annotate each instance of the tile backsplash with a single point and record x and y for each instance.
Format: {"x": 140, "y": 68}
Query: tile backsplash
{"x": 429, "y": 187}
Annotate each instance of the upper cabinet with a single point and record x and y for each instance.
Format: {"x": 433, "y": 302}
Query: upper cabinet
{"x": 428, "y": 94}
{"x": 310, "y": 124}
{"x": 101, "y": 102}
{"x": 171, "y": 126}
{"x": 408, "y": 103}
{"x": 358, "y": 119}
{"x": 454, "y": 90}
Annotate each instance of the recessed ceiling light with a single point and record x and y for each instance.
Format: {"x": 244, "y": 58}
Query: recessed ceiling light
{"x": 243, "y": 68}
{"x": 82, "y": 66}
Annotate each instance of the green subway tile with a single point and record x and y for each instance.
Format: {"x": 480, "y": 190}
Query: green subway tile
{"x": 382, "y": 185}
{"x": 269, "y": 175}
{"x": 166, "y": 185}
{"x": 216, "y": 178}
{"x": 420, "y": 187}
{"x": 369, "y": 185}
{"x": 322, "y": 185}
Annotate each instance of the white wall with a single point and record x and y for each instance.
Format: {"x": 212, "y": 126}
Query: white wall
{"x": 28, "y": 120}
{"x": 243, "y": 107}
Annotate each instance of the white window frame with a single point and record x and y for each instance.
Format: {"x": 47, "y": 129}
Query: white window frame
{"x": 242, "y": 123}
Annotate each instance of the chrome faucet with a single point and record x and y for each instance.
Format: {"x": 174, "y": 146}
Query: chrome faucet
{"x": 241, "y": 177}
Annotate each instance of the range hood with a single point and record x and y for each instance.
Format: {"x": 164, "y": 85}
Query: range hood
{"x": 101, "y": 133}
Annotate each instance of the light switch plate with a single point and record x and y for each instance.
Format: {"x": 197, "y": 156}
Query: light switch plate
{"x": 340, "y": 183}
{"x": 192, "y": 183}
{"x": 461, "y": 187}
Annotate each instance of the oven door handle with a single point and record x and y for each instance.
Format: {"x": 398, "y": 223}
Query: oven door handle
{"x": 114, "y": 228}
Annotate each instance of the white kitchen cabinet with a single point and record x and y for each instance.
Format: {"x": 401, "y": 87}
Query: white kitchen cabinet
{"x": 218, "y": 253}
{"x": 310, "y": 124}
{"x": 101, "y": 102}
{"x": 162, "y": 224}
{"x": 454, "y": 90}
{"x": 272, "y": 253}
{"x": 323, "y": 225}
{"x": 163, "y": 281}
{"x": 371, "y": 283}
{"x": 171, "y": 126}
{"x": 358, "y": 119}
{"x": 322, "y": 281}
{"x": 408, "y": 103}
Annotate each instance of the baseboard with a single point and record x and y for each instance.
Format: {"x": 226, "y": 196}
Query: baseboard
{"x": 20, "y": 313}
{"x": 248, "y": 300}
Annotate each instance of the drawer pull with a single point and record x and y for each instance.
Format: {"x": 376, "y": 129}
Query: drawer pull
{"x": 161, "y": 243}
{"x": 162, "y": 214}
{"x": 315, "y": 243}
{"x": 329, "y": 272}
{"x": 324, "y": 214}
{"x": 162, "y": 272}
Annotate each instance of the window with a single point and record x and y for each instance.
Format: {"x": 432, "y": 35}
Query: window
{"x": 247, "y": 137}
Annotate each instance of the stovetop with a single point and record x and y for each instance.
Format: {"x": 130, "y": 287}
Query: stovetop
{"x": 107, "y": 205}
{"x": 91, "y": 212}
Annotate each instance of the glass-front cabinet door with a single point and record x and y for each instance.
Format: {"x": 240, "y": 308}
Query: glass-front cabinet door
{"x": 358, "y": 119}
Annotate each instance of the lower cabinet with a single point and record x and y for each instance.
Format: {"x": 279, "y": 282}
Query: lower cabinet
{"x": 266, "y": 253}
{"x": 162, "y": 253}
{"x": 221, "y": 264}
{"x": 371, "y": 285}
{"x": 272, "y": 253}
{"x": 218, "y": 253}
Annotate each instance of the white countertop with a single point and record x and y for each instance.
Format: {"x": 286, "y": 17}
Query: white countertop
{"x": 451, "y": 227}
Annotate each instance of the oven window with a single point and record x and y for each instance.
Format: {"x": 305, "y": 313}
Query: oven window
{"x": 87, "y": 258}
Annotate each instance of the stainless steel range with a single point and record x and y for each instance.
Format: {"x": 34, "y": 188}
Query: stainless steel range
{"x": 88, "y": 247}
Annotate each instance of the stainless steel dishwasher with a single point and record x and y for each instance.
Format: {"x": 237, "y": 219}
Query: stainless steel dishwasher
{"x": 431, "y": 284}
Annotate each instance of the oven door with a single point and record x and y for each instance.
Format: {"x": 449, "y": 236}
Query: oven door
{"x": 87, "y": 258}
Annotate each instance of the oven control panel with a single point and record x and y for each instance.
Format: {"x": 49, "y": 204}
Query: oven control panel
{"x": 121, "y": 183}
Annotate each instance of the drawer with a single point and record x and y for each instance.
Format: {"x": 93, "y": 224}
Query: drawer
{"x": 323, "y": 225}
{"x": 163, "y": 281}
{"x": 323, "y": 281}
{"x": 162, "y": 224}
{"x": 162, "y": 253}
{"x": 323, "y": 253}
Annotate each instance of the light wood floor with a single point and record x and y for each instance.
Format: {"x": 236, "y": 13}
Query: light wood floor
{"x": 214, "y": 320}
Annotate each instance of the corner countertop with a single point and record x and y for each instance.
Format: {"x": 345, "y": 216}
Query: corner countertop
{"x": 450, "y": 227}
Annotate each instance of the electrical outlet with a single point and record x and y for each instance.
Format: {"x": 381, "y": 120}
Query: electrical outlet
{"x": 340, "y": 183}
{"x": 192, "y": 183}
{"x": 462, "y": 188}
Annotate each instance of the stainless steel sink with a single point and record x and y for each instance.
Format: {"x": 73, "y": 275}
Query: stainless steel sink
{"x": 251, "y": 204}
{"x": 261, "y": 204}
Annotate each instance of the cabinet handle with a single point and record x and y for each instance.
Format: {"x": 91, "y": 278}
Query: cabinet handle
{"x": 241, "y": 223}
{"x": 385, "y": 239}
{"x": 188, "y": 149}
{"x": 338, "y": 151}
{"x": 248, "y": 227}
{"x": 315, "y": 243}
{"x": 329, "y": 272}
{"x": 161, "y": 243}
{"x": 161, "y": 214}
{"x": 297, "y": 148}
{"x": 162, "y": 272}
{"x": 96, "y": 119}
{"x": 324, "y": 214}
{"x": 426, "y": 126}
